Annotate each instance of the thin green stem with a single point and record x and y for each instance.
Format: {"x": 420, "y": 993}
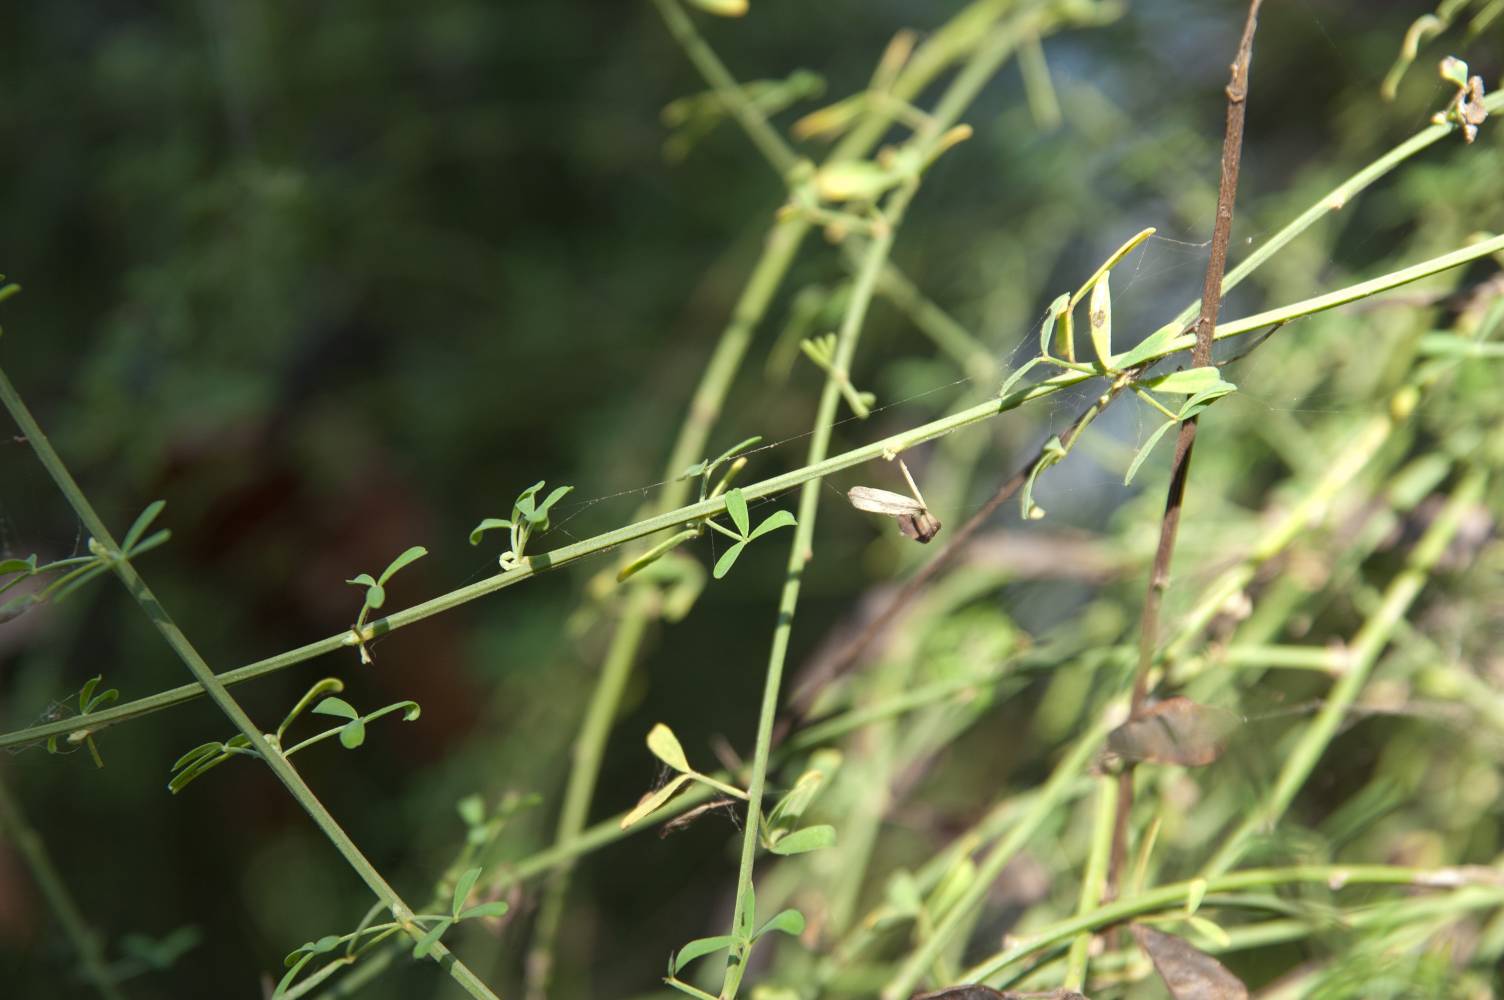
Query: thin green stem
{"x": 82, "y": 938}
{"x": 215, "y": 688}
{"x": 748, "y": 115}
{"x": 1173, "y": 895}
{"x": 1094, "y": 880}
{"x": 1362, "y": 655}
{"x": 1056, "y": 790}
{"x": 589, "y": 750}
{"x": 948, "y": 424}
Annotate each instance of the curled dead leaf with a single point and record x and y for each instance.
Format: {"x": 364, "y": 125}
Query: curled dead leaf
{"x": 1189, "y": 973}
{"x": 1175, "y": 731}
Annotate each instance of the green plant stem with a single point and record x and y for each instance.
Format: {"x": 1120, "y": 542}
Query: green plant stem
{"x": 1334, "y": 201}
{"x": 33, "y": 852}
{"x": 799, "y": 554}
{"x": 1173, "y": 895}
{"x": 216, "y": 690}
{"x": 1094, "y": 880}
{"x": 1364, "y": 652}
{"x": 589, "y": 750}
{"x": 748, "y": 115}
{"x": 1055, "y": 791}
{"x": 533, "y": 565}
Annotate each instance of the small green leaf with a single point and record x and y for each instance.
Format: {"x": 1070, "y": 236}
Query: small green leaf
{"x": 199, "y": 752}
{"x": 777, "y": 519}
{"x": 539, "y": 517}
{"x": 363, "y": 580}
{"x": 736, "y": 506}
{"x": 431, "y": 937}
{"x": 1145, "y": 448}
{"x": 337, "y": 707}
{"x": 85, "y": 692}
{"x": 699, "y": 948}
{"x": 1016, "y": 376}
{"x": 1193, "y": 406}
{"x": 665, "y": 746}
{"x": 375, "y": 596}
{"x": 98, "y": 701}
{"x": 1057, "y": 309}
{"x": 694, "y": 471}
{"x": 472, "y": 810}
{"x": 496, "y": 908}
{"x": 811, "y": 838}
{"x": 786, "y": 922}
{"x": 1052, "y": 452}
{"x": 142, "y": 522}
{"x": 1188, "y": 382}
{"x": 411, "y": 555}
{"x": 324, "y": 945}
{"x": 723, "y": 564}
{"x": 411, "y": 712}
{"x": 462, "y": 887}
{"x": 352, "y": 734}
{"x": 1211, "y": 930}
{"x": 1195, "y": 893}
{"x": 27, "y": 566}
{"x": 653, "y": 800}
{"x": 489, "y": 524}
{"x": 1151, "y": 346}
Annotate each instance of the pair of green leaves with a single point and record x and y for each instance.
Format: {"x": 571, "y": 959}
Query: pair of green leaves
{"x": 79, "y": 569}
{"x": 375, "y": 595}
{"x": 736, "y": 507}
{"x": 529, "y": 516}
{"x": 371, "y": 933}
{"x": 822, "y": 351}
{"x": 740, "y": 942}
{"x": 666, "y": 747}
{"x": 1203, "y": 387}
{"x": 88, "y": 701}
{"x": 458, "y": 911}
{"x": 352, "y": 733}
{"x": 780, "y": 832}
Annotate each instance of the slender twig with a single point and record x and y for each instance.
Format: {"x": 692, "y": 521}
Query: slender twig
{"x": 1201, "y": 356}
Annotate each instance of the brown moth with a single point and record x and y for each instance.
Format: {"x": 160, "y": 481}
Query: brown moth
{"x": 914, "y": 517}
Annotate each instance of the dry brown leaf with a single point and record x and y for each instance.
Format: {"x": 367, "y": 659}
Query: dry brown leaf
{"x": 1175, "y": 731}
{"x": 1189, "y": 973}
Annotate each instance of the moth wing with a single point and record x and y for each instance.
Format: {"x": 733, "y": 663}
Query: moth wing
{"x": 882, "y": 502}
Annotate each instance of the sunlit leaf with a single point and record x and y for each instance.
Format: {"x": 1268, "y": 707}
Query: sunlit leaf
{"x": 778, "y": 519}
{"x": 1175, "y": 731}
{"x": 728, "y": 558}
{"x": 653, "y": 800}
{"x": 1188, "y": 973}
{"x": 1145, "y": 448}
{"x": 1099, "y": 320}
{"x": 665, "y": 746}
{"x": 1188, "y": 382}
{"x": 736, "y": 507}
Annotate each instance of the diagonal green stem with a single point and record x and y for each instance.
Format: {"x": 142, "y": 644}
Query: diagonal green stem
{"x": 216, "y": 690}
